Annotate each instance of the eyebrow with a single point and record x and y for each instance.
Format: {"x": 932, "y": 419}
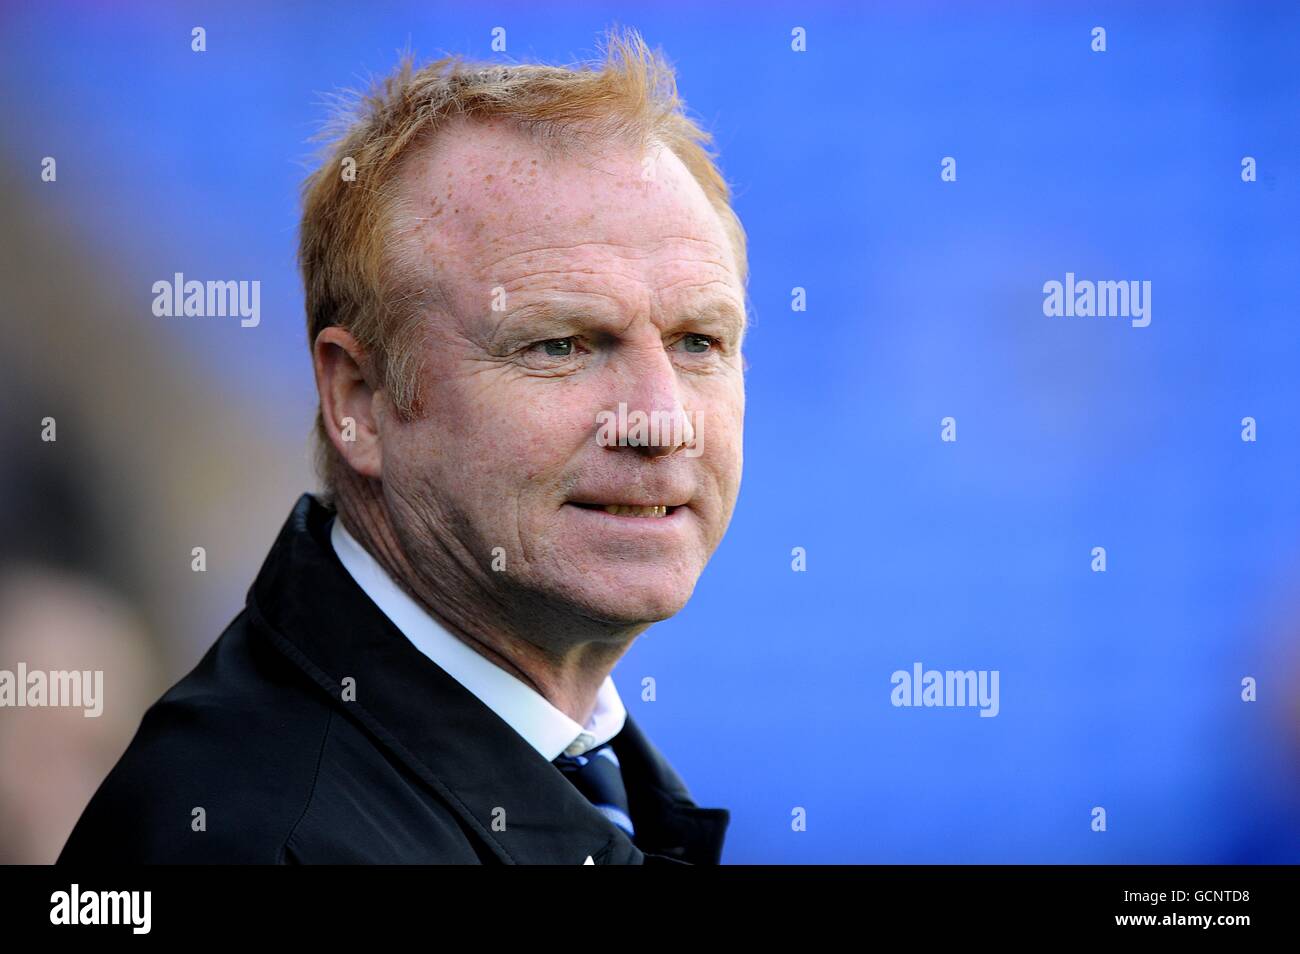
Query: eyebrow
{"x": 542, "y": 316}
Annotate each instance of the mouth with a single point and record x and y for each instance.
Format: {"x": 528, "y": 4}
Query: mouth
{"x": 647, "y": 511}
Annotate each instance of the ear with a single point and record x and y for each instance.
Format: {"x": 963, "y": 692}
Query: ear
{"x": 347, "y": 400}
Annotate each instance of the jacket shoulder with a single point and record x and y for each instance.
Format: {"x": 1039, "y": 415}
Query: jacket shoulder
{"x": 220, "y": 770}
{"x": 367, "y": 807}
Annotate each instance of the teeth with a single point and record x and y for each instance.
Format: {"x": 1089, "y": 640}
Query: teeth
{"x": 619, "y": 510}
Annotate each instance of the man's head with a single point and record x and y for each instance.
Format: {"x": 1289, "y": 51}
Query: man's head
{"x": 521, "y": 251}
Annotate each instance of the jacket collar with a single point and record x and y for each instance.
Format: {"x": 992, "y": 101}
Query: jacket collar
{"x": 312, "y": 610}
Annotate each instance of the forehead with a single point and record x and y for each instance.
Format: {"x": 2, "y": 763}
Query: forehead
{"x": 487, "y": 204}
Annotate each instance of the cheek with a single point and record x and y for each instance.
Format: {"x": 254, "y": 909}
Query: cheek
{"x": 724, "y": 433}
{"x": 413, "y": 467}
{"x": 551, "y": 445}
{"x": 507, "y": 441}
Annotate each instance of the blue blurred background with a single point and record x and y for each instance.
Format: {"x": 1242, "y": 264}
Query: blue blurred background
{"x": 1119, "y": 689}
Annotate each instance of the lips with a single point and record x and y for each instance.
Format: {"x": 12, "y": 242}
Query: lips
{"x": 650, "y": 511}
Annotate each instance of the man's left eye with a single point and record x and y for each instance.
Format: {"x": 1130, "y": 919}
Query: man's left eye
{"x": 697, "y": 344}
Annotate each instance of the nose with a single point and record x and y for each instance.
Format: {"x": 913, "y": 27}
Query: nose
{"x": 650, "y": 417}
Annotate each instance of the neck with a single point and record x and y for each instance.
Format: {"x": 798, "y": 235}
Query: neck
{"x": 562, "y": 657}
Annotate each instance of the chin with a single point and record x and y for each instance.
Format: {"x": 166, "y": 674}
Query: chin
{"x": 627, "y": 603}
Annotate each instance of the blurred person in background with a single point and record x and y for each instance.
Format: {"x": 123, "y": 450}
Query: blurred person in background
{"x": 58, "y": 613}
{"x": 54, "y": 757}
{"x": 99, "y": 511}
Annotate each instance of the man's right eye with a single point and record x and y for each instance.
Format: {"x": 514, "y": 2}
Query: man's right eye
{"x": 556, "y": 347}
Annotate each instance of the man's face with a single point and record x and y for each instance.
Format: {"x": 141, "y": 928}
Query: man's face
{"x": 572, "y": 284}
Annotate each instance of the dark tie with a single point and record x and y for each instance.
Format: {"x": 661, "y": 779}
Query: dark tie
{"x": 596, "y": 774}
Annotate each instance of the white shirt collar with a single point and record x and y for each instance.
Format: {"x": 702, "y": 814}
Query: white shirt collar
{"x": 543, "y": 726}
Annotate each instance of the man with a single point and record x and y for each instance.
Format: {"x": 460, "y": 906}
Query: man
{"x": 509, "y": 272}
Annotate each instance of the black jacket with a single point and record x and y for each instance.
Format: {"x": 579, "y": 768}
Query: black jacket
{"x": 258, "y": 746}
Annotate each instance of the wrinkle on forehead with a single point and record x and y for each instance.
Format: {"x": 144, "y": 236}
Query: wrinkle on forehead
{"x": 492, "y": 205}
{"x": 573, "y": 258}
